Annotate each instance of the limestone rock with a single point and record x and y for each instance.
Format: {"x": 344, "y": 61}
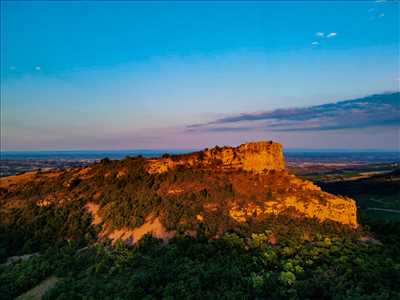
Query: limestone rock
{"x": 256, "y": 157}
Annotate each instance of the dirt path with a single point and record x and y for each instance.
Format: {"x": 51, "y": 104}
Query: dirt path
{"x": 13, "y": 259}
{"x": 385, "y": 209}
{"x": 38, "y": 291}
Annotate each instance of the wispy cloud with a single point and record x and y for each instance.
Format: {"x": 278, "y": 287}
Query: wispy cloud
{"x": 376, "y": 11}
{"x": 376, "y": 110}
{"x": 320, "y": 36}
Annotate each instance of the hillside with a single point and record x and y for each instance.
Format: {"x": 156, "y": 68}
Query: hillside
{"x": 226, "y": 223}
{"x": 215, "y": 189}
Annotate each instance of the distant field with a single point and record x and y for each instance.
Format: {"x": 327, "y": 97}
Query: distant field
{"x": 381, "y": 215}
{"x": 376, "y": 188}
{"x": 316, "y": 163}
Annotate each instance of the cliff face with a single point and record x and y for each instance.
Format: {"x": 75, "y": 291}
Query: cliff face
{"x": 256, "y": 157}
{"x": 305, "y": 198}
{"x": 217, "y": 189}
{"x": 259, "y": 158}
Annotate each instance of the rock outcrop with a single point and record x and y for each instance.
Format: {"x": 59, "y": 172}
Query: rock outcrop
{"x": 334, "y": 208}
{"x": 256, "y": 157}
{"x": 261, "y": 158}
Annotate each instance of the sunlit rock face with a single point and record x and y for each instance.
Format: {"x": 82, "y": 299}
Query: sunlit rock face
{"x": 333, "y": 208}
{"x": 255, "y": 157}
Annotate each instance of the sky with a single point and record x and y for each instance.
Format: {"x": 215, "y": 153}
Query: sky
{"x": 172, "y": 75}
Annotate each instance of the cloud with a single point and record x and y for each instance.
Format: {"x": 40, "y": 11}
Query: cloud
{"x": 321, "y": 35}
{"x": 372, "y": 111}
{"x": 193, "y": 128}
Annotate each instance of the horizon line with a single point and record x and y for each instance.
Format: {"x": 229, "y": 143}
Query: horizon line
{"x": 183, "y": 150}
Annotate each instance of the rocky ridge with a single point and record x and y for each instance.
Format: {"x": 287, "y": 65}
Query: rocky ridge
{"x": 216, "y": 189}
{"x": 256, "y": 157}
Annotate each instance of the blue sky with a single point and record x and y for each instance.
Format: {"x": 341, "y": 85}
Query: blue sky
{"x": 119, "y": 75}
